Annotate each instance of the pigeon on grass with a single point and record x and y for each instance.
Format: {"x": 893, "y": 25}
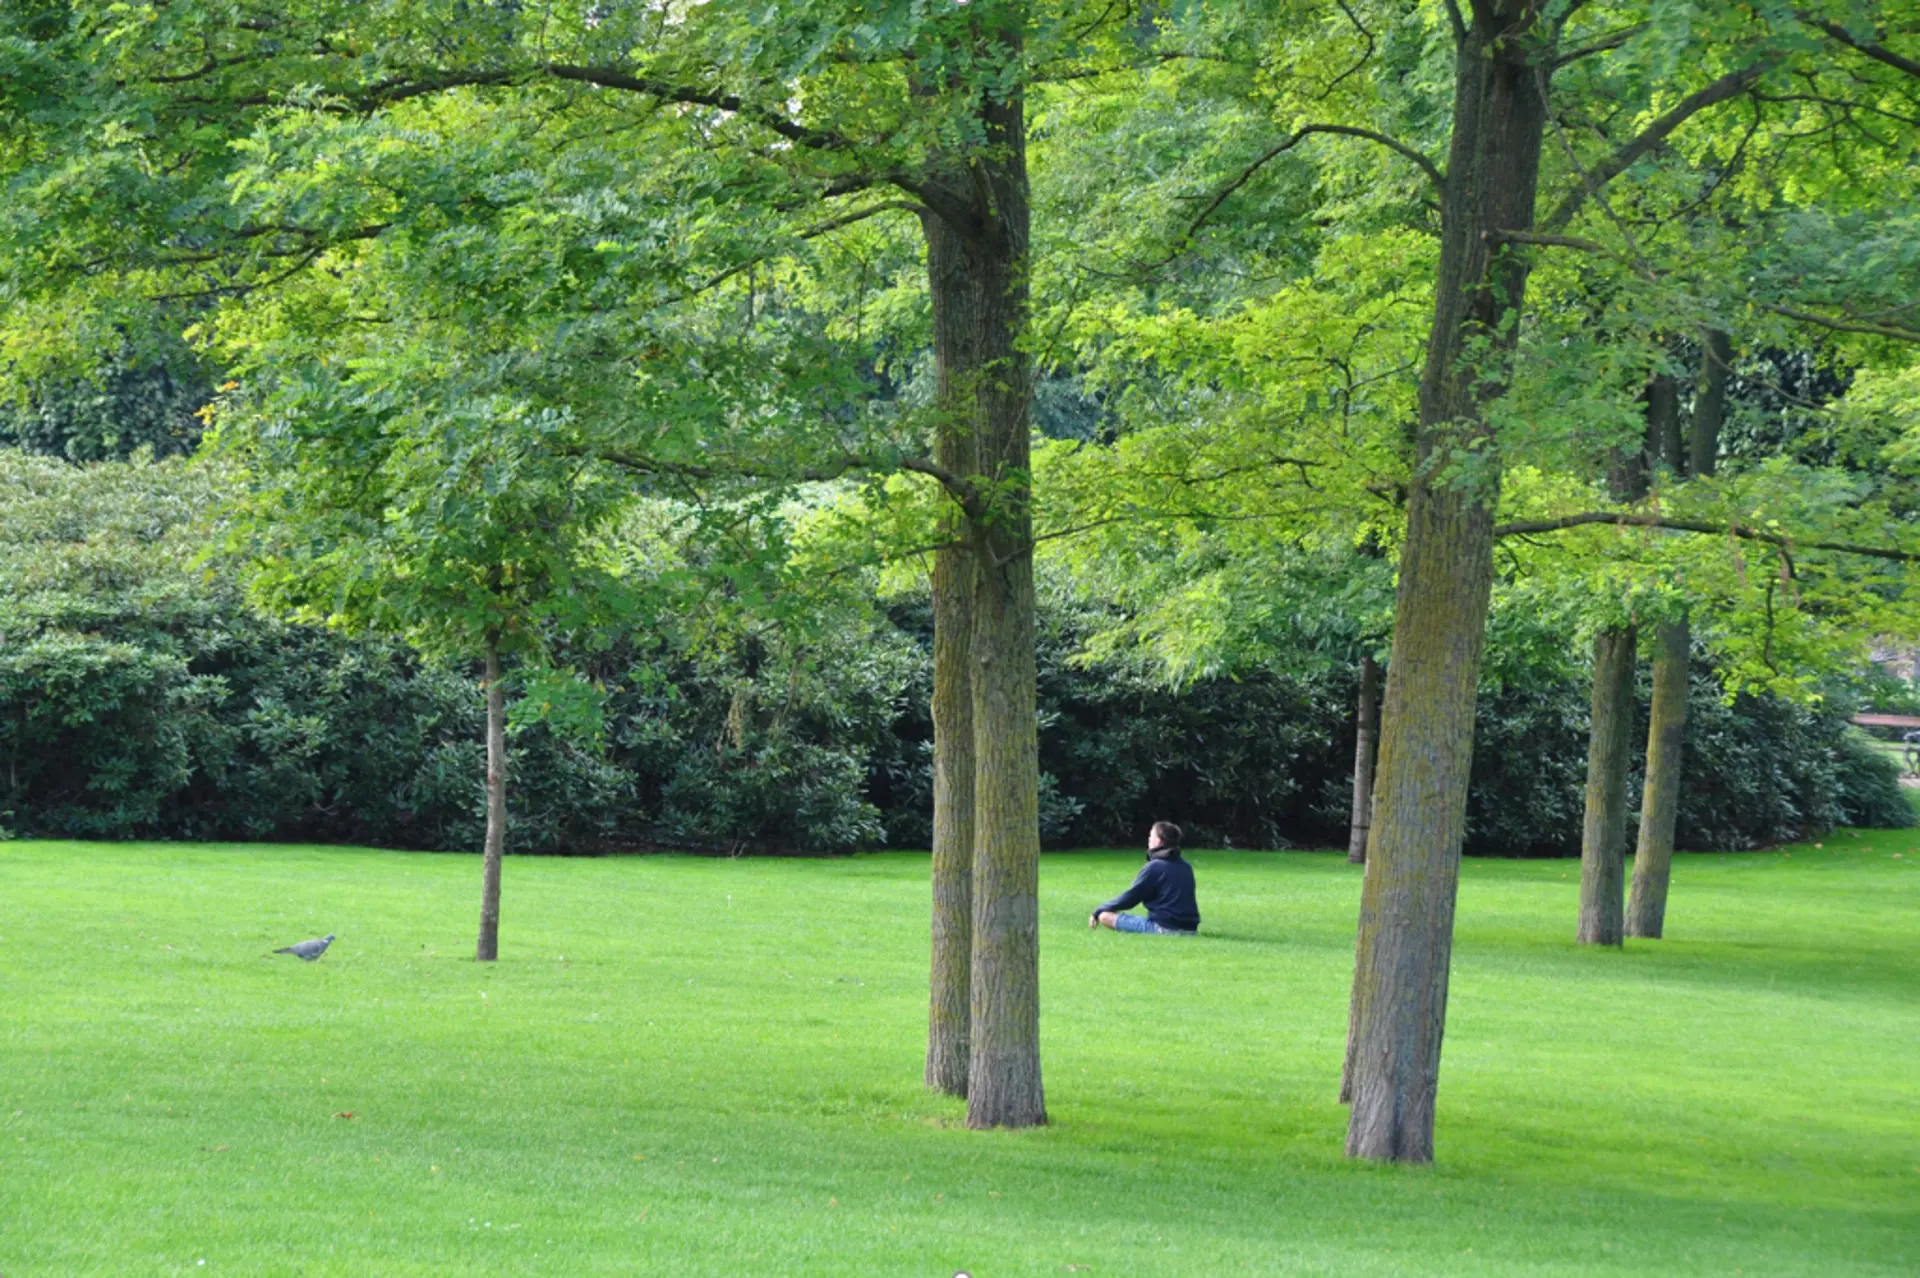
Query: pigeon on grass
{"x": 308, "y": 950}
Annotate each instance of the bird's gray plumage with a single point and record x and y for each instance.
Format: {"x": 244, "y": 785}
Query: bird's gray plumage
{"x": 308, "y": 950}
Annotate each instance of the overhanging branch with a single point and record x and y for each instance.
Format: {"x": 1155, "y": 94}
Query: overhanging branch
{"x": 1843, "y": 324}
{"x": 1727, "y": 86}
{"x": 1870, "y": 48}
{"x": 1286, "y": 144}
{"x": 1637, "y": 519}
{"x": 965, "y": 492}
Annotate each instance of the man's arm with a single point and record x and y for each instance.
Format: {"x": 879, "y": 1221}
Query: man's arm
{"x": 1133, "y": 895}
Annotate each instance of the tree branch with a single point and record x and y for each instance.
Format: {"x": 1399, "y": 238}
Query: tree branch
{"x": 1603, "y": 45}
{"x": 964, "y": 491}
{"x": 1871, "y": 48}
{"x": 1635, "y": 519}
{"x": 1844, "y": 325}
{"x": 773, "y": 121}
{"x": 1286, "y": 144}
{"x": 1727, "y": 86}
{"x": 861, "y": 215}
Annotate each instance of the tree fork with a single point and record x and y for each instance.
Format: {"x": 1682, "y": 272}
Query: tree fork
{"x": 1660, "y": 802}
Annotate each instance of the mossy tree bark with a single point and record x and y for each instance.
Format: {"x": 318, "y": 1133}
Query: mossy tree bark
{"x": 1660, "y": 800}
{"x": 1604, "y": 833}
{"x": 978, "y": 237}
{"x": 1366, "y": 724}
{"x": 956, "y": 346}
{"x": 1405, "y": 938}
{"x": 495, "y": 843}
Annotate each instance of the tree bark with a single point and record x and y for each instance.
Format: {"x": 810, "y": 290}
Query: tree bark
{"x": 488, "y": 948}
{"x": 1660, "y": 800}
{"x": 1603, "y": 837}
{"x": 1710, "y": 405}
{"x": 978, "y": 270}
{"x": 1405, "y": 941}
{"x": 1366, "y": 720}
{"x": 955, "y": 346}
{"x": 1665, "y": 441}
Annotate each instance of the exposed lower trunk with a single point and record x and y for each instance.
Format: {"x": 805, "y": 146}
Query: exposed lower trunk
{"x": 1660, "y": 800}
{"x": 1003, "y": 1087}
{"x": 1405, "y": 940}
{"x": 1710, "y": 404}
{"x": 1604, "y": 835}
{"x": 1365, "y": 719}
{"x": 495, "y": 845}
{"x": 956, "y": 346}
{"x": 953, "y": 768}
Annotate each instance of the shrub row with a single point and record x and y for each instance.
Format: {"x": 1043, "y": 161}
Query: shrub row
{"x": 142, "y": 697}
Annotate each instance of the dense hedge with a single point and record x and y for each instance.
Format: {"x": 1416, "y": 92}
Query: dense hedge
{"x": 141, "y": 696}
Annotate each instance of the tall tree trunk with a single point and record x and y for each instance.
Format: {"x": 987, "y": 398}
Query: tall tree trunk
{"x": 980, "y": 273}
{"x": 1405, "y": 941}
{"x": 1660, "y": 800}
{"x": 488, "y": 948}
{"x": 1664, "y": 437}
{"x": 1710, "y": 406}
{"x": 956, "y": 345}
{"x": 1604, "y": 834}
{"x": 1366, "y": 718}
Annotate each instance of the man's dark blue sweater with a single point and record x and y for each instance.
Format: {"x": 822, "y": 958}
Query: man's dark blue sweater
{"x": 1165, "y": 886}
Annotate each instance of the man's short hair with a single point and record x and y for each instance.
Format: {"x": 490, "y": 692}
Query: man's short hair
{"x": 1167, "y": 832}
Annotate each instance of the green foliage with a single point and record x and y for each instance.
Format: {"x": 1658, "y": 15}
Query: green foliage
{"x": 113, "y": 411}
{"x": 143, "y": 696}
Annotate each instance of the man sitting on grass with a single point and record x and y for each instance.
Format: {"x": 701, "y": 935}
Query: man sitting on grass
{"x": 1164, "y": 885}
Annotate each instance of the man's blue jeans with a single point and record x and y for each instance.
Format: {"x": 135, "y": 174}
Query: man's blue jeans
{"x": 1134, "y": 923}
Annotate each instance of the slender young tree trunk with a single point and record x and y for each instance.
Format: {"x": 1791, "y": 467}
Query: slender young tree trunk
{"x": 1364, "y": 751}
{"x": 1660, "y": 801}
{"x": 1709, "y": 409}
{"x": 1405, "y": 942}
{"x": 1667, "y": 720}
{"x": 488, "y": 948}
{"x": 1604, "y": 835}
{"x": 1366, "y": 719}
{"x": 955, "y": 346}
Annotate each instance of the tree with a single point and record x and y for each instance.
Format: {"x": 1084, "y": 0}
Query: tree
{"x": 1507, "y": 56}
{"x": 370, "y": 510}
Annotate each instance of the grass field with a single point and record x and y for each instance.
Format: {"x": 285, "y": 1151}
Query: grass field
{"x": 690, "y": 1066}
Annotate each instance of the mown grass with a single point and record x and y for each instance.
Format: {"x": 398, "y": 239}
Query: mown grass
{"x": 687, "y": 1066}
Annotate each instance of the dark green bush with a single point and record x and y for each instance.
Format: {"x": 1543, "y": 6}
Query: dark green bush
{"x": 141, "y": 696}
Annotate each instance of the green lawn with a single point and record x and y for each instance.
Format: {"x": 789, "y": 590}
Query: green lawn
{"x": 712, "y": 1067}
